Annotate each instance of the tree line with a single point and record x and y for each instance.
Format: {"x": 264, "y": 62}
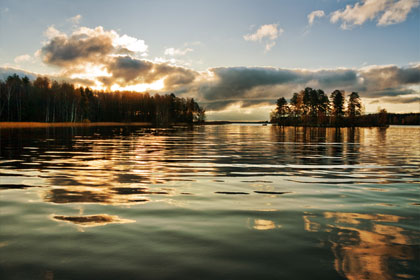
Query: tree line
{"x": 43, "y": 100}
{"x": 312, "y": 107}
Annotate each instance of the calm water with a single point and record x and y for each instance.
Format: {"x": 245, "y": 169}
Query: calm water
{"x": 212, "y": 202}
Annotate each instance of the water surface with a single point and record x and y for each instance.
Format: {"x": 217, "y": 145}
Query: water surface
{"x": 209, "y": 202}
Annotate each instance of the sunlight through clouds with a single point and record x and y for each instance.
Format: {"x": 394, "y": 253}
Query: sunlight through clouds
{"x": 243, "y": 58}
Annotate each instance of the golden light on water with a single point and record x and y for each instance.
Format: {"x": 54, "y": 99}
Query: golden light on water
{"x": 261, "y": 224}
{"x": 364, "y": 253}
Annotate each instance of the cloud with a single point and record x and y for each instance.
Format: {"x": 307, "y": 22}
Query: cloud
{"x": 109, "y": 60}
{"x": 63, "y": 51}
{"x": 76, "y": 19}
{"x": 219, "y": 89}
{"x": 261, "y": 85}
{"x": 131, "y": 44}
{"x": 403, "y": 100}
{"x": 87, "y": 45}
{"x": 52, "y": 32}
{"x": 8, "y": 71}
{"x": 313, "y": 15}
{"x": 127, "y": 70}
{"x": 397, "y": 12}
{"x": 335, "y": 78}
{"x": 267, "y": 33}
{"x": 23, "y": 58}
{"x": 386, "y": 12}
{"x": 389, "y": 77}
{"x": 177, "y": 52}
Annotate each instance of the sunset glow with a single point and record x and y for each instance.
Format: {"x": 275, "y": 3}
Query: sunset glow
{"x": 155, "y": 86}
{"x": 197, "y": 139}
{"x": 249, "y": 64}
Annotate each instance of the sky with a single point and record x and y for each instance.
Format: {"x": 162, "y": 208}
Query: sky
{"x": 235, "y": 57}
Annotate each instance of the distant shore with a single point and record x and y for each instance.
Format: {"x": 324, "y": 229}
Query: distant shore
{"x": 149, "y": 124}
{"x": 70, "y": 124}
{"x": 92, "y": 124}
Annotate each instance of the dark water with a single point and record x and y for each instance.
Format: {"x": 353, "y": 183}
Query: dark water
{"x": 212, "y": 202}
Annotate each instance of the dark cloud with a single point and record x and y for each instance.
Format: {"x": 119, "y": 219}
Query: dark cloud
{"x": 404, "y": 100}
{"x": 258, "y": 102}
{"x": 66, "y": 51}
{"x": 86, "y": 48}
{"x": 217, "y": 105}
{"x": 127, "y": 70}
{"x": 223, "y": 104}
{"x": 409, "y": 75}
{"x": 176, "y": 76}
{"x": 335, "y": 78}
{"x": 218, "y": 87}
{"x": 385, "y": 77}
{"x": 246, "y": 84}
{"x": 389, "y": 92}
{"x": 397, "y": 99}
{"x": 238, "y": 81}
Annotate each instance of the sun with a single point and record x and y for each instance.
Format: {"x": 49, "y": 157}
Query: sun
{"x": 157, "y": 85}
{"x": 93, "y": 72}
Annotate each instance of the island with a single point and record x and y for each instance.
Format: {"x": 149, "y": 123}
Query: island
{"x": 312, "y": 107}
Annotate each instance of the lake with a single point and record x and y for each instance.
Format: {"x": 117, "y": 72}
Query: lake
{"x": 210, "y": 202}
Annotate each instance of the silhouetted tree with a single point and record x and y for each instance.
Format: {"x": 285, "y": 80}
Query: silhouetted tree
{"x": 296, "y": 103}
{"x": 46, "y": 101}
{"x": 354, "y": 107}
{"x": 382, "y": 117}
{"x": 312, "y": 107}
{"x": 337, "y": 97}
{"x": 281, "y": 111}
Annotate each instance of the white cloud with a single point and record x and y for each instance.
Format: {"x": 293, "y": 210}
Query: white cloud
{"x": 123, "y": 42}
{"x": 267, "y": 33}
{"x": 52, "y": 32}
{"x": 398, "y": 12}
{"x": 386, "y": 12}
{"x": 315, "y": 14}
{"x": 23, "y": 58}
{"x": 131, "y": 43}
{"x": 177, "y": 52}
{"x": 76, "y": 19}
{"x": 269, "y": 45}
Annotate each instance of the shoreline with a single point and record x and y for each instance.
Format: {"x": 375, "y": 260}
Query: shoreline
{"x": 11, "y": 125}
{"x": 69, "y": 124}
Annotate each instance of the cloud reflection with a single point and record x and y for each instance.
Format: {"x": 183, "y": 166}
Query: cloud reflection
{"x": 99, "y": 195}
{"x": 365, "y": 246}
{"x": 92, "y": 220}
{"x": 260, "y": 224}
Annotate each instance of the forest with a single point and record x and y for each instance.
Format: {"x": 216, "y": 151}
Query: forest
{"x": 43, "y": 100}
{"x": 312, "y": 107}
